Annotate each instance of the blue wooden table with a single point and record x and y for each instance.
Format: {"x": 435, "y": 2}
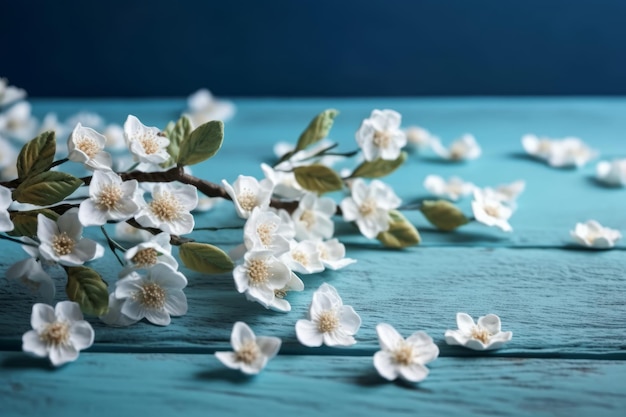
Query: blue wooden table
{"x": 565, "y": 306}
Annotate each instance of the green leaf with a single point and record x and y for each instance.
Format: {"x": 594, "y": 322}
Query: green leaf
{"x": 443, "y": 214}
{"x": 202, "y": 143}
{"x": 318, "y": 178}
{"x": 46, "y": 188}
{"x": 86, "y": 287}
{"x": 176, "y": 133}
{"x": 25, "y": 222}
{"x": 317, "y": 130}
{"x": 401, "y": 232}
{"x": 379, "y": 167}
{"x": 205, "y": 258}
{"x": 36, "y": 155}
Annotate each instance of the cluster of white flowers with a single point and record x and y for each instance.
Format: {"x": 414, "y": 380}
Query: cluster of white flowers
{"x": 566, "y": 152}
{"x": 592, "y": 234}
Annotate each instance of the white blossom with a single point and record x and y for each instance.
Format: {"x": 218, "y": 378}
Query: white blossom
{"x": 418, "y": 137}
{"x": 313, "y": 217}
{"x": 155, "y": 296}
{"x": 303, "y": 257}
{"x": 566, "y": 152}
{"x": 462, "y": 149}
{"x": 380, "y": 135}
{"x": 612, "y": 173}
{"x": 248, "y": 193}
{"x": 285, "y": 184}
{"x": 59, "y": 332}
{"x": 86, "y": 146}
{"x": 114, "y": 316}
{"x": 62, "y": 241}
{"x": 110, "y": 198}
{"x": 170, "y": 208}
{"x": 333, "y": 254}
{"x": 483, "y": 335}
{"x": 6, "y": 225}
{"x": 404, "y": 358}
{"x": 369, "y": 206}
{"x": 30, "y": 272}
{"x": 279, "y": 303}
{"x": 593, "y": 235}
{"x": 330, "y": 321}
{"x": 260, "y": 275}
{"x": 250, "y": 352}
{"x": 147, "y": 144}
{"x": 157, "y": 250}
{"x": 203, "y": 107}
{"x": 265, "y": 230}
{"x": 490, "y": 211}
{"x": 454, "y": 188}
{"x": 10, "y": 93}
{"x": 506, "y": 193}
{"x": 18, "y": 122}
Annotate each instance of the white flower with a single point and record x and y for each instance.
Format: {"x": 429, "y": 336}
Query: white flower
{"x": 86, "y": 146}
{"x": 251, "y": 353}
{"x": 484, "y": 335}
{"x": 380, "y": 135}
{"x": 265, "y": 230}
{"x": 6, "y": 225}
{"x": 418, "y": 137}
{"x": 612, "y": 173}
{"x": 248, "y": 193}
{"x": 454, "y": 188}
{"x": 58, "y": 332}
{"x": 128, "y": 233}
{"x": 147, "y": 144}
{"x": 333, "y": 254}
{"x": 10, "y": 93}
{"x": 401, "y": 357}
{"x": 170, "y": 208}
{"x": 593, "y": 235}
{"x": 490, "y": 211}
{"x": 18, "y": 122}
{"x": 155, "y": 296}
{"x": 330, "y": 322}
{"x": 285, "y": 184}
{"x": 203, "y": 107}
{"x": 313, "y": 217}
{"x": 279, "y": 303}
{"x": 506, "y": 193}
{"x": 114, "y": 316}
{"x": 303, "y": 257}
{"x": 110, "y": 198}
{"x": 62, "y": 241}
{"x": 369, "y": 206}
{"x": 462, "y": 149}
{"x": 260, "y": 275}
{"x": 30, "y": 272}
{"x": 157, "y": 250}
{"x": 567, "y": 152}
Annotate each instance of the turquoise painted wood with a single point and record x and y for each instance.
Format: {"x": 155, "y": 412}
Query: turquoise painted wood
{"x": 565, "y": 306}
{"x": 197, "y": 385}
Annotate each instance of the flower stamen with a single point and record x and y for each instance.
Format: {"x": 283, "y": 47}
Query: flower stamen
{"x": 368, "y": 207}
{"x": 327, "y": 321}
{"x": 247, "y": 200}
{"x": 248, "y": 353}
{"x": 308, "y": 218}
{"x": 110, "y": 195}
{"x": 382, "y": 139}
{"x": 145, "y": 257}
{"x": 481, "y": 334}
{"x": 151, "y": 295}
{"x": 63, "y": 244}
{"x": 88, "y": 146}
{"x": 166, "y": 207}
{"x": 265, "y": 234}
{"x": 404, "y": 354}
{"x": 258, "y": 271}
{"x": 56, "y": 333}
{"x": 149, "y": 144}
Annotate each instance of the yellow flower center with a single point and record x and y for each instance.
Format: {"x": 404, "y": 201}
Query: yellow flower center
{"x": 247, "y": 200}
{"x": 88, "y": 146}
{"x": 109, "y": 196}
{"x": 368, "y": 207}
{"x": 56, "y": 333}
{"x": 258, "y": 271}
{"x": 166, "y": 207}
{"x": 300, "y": 257}
{"x": 404, "y": 354}
{"x": 327, "y": 321}
{"x": 492, "y": 210}
{"x": 382, "y": 139}
{"x": 480, "y": 333}
{"x": 264, "y": 231}
{"x": 248, "y": 353}
{"x": 149, "y": 144}
{"x": 62, "y": 244}
{"x": 308, "y": 218}
{"x": 151, "y": 295}
{"x": 145, "y": 257}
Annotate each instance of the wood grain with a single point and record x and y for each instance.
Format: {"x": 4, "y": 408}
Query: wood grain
{"x": 194, "y": 385}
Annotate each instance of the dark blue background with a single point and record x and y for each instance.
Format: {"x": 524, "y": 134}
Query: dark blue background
{"x": 314, "y": 48}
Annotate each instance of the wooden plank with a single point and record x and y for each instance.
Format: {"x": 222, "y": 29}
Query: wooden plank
{"x": 194, "y": 385}
{"x": 557, "y": 303}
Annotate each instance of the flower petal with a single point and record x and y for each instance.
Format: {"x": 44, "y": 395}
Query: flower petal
{"x": 349, "y": 320}
{"x": 414, "y": 372}
{"x": 81, "y": 334}
{"x": 68, "y": 311}
{"x": 241, "y": 334}
{"x": 491, "y": 322}
{"x": 62, "y": 354}
{"x": 176, "y": 303}
{"x": 385, "y": 365}
{"x": 388, "y": 336}
{"x": 268, "y": 345}
{"x": 32, "y": 343}
{"x": 229, "y": 359}
{"x": 41, "y": 316}
{"x": 308, "y": 334}
{"x": 465, "y": 322}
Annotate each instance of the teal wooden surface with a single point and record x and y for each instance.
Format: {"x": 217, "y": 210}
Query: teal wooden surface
{"x": 198, "y": 385}
{"x": 564, "y": 305}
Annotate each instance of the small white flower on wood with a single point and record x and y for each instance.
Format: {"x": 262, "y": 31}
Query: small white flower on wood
{"x": 250, "y": 352}
{"x": 486, "y": 334}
